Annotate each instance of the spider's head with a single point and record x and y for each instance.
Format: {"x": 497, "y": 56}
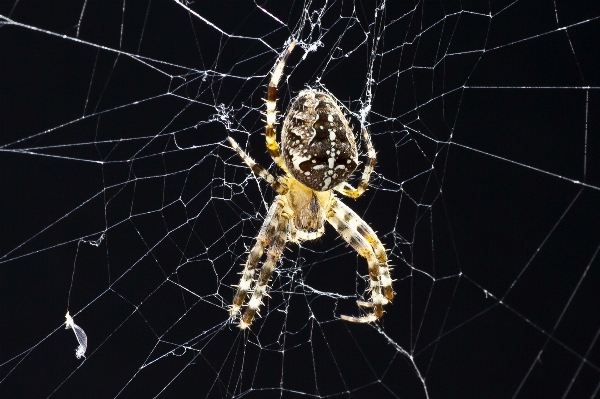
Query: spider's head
{"x": 318, "y": 145}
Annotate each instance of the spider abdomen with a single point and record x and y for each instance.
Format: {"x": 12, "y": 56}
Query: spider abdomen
{"x": 318, "y": 145}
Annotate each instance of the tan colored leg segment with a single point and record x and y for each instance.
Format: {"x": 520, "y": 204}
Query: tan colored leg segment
{"x": 349, "y": 191}
{"x": 355, "y": 222}
{"x": 263, "y": 240}
{"x": 273, "y": 255}
{"x": 277, "y": 183}
{"x": 270, "y": 134}
{"x": 337, "y": 217}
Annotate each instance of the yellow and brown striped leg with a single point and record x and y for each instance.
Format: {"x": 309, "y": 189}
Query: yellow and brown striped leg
{"x": 264, "y": 239}
{"x": 277, "y": 184}
{"x": 273, "y": 255}
{"x": 355, "y": 222}
{"x": 337, "y": 217}
{"x": 270, "y": 134}
{"x": 349, "y": 191}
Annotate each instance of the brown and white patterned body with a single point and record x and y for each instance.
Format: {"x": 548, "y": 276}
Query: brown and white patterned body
{"x": 318, "y": 145}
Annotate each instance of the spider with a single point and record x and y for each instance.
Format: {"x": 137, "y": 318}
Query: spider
{"x": 318, "y": 154}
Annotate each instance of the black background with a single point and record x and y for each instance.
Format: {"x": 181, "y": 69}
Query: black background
{"x": 485, "y": 119}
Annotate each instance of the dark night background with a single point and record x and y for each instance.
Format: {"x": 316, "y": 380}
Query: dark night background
{"x": 114, "y": 172}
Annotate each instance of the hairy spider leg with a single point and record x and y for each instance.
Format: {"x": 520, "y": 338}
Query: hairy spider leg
{"x": 270, "y": 134}
{"x": 273, "y": 255}
{"x": 337, "y": 216}
{"x": 263, "y": 240}
{"x": 349, "y": 191}
{"x": 355, "y": 222}
{"x": 277, "y": 183}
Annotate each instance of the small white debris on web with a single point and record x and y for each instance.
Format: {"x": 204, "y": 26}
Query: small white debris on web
{"x": 79, "y": 334}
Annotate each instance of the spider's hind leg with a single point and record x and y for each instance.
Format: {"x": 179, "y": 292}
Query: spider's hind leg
{"x": 273, "y": 255}
{"x": 357, "y": 224}
{"x": 264, "y": 239}
{"x": 363, "y": 239}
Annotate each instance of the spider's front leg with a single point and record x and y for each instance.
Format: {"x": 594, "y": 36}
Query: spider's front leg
{"x": 364, "y": 241}
{"x": 271, "y": 101}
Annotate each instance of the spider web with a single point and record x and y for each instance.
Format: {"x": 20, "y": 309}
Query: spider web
{"x": 123, "y": 205}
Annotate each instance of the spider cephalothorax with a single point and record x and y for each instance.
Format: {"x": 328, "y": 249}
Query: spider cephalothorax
{"x": 318, "y": 154}
{"x": 318, "y": 144}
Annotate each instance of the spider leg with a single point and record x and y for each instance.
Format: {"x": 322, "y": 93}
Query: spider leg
{"x": 349, "y": 191}
{"x": 273, "y": 254}
{"x": 270, "y": 134}
{"x": 277, "y": 183}
{"x": 348, "y": 225}
{"x": 264, "y": 239}
{"x": 356, "y": 223}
